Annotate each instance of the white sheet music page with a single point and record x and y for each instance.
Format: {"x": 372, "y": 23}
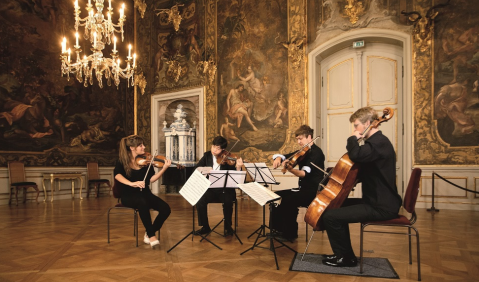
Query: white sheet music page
{"x": 204, "y": 170}
{"x": 259, "y": 193}
{"x": 195, "y": 187}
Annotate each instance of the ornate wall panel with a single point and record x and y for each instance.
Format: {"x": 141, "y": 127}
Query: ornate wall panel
{"x": 445, "y": 96}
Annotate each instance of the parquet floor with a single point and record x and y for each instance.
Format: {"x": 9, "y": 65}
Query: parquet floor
{"x": 67, "y": 241}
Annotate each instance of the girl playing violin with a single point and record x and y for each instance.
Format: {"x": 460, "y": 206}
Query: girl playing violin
{"x": 135, "y": 192}
{"x": 285, "y": 215}
{"x": 218, "y": 160}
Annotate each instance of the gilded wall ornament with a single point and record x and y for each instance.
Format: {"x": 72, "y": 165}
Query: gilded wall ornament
{"x": 173, "y": 15}
{"x": 424, "y": 26}
{"x": 140, "y": 81}
{"x": 353, "y": 10}
{"x": 141, "y": 6}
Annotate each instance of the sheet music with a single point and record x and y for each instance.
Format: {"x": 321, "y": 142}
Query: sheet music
{"x": 218, "y": 178}
{"x": 259, "y": 193}
{"x": 204, "y": 170}
{"x": 260, "y": 172}
{"x": 195, "y": 187}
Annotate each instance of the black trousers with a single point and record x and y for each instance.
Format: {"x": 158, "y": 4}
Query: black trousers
{"x": 144, "y": 202}
{"x": 284, "y": 216}
{"x": 336, "y": 222}
{"x": 216, "y": 195}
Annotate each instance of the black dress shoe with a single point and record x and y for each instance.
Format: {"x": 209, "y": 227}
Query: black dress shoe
{"x": 328, "y": 256}
{"x": 204, "y": 230}
{"x": 229, "y": 231}
{"x": 341, "y": 261}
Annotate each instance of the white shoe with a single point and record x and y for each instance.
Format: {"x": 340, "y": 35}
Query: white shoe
{"x": 146, "y": 239}
{"x": 295, "y": 189}
{"x": 154, "y": 243}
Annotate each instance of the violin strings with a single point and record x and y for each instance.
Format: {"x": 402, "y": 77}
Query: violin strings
{"x": 149, "y": 166}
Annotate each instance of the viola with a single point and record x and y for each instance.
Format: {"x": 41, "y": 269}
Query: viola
{"x": 342, "y": 179}
{"x": 158, "y": 161}
{"x": 297, "y": 156}
{"x": 295, "y": 159}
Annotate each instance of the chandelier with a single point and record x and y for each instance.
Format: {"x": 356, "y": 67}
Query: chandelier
{"x": 100, "y": 31}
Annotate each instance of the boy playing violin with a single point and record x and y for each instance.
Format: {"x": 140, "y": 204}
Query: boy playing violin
{"x": 213, "y": 159}
{"x": 285, "y": 214}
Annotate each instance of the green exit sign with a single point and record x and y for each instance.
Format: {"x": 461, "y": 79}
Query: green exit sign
{"x": 358, "y": 44}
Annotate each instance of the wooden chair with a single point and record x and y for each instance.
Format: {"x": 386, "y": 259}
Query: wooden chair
{"x": 16, "y": 173}
{"x": 122, "y": 209}
{"x": 409, "y": 204}
{"x": 94, "y": 179}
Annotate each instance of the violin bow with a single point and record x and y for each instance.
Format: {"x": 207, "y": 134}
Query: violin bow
{"x": 149, "y": 166}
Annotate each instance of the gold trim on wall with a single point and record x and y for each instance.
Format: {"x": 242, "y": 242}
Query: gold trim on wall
{"x": 210, "y": 88}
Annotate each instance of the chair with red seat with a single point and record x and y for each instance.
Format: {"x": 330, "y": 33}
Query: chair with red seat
{"x": 16, "y": 173}
{"x": 121, "y": 208}
{"x": 409, "y": 204}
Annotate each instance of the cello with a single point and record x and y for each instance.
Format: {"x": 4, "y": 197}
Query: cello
{"x": 342, "y": 179}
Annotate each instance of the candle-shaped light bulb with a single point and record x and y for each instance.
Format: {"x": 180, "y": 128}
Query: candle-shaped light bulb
{"x": 134, "y": 59}
{"x": 114, "y": 44}
{"x": 109, "y": 4}
{"x": 94, "y": 39}
{"x": 129, "y": 50}
{"x": 89, "y": 2}
{"x": 76, "y": 36}
{"x": 76, "y": 4}
{"x": 64, "y": 45}
{"x": 109, "y": 16}
{"x": 118, "y": 62}
{"x": 69, "y": 52}
{"x": 121, "y": 13}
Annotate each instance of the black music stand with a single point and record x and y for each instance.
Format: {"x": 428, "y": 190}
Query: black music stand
{"x": 226, "y": 179}
{"x": 192, "y": 200}
{"x": 272, "y": 235}
{"x": 261, "y": 174}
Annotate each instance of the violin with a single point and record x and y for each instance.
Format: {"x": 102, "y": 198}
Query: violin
{"x": 158, "y": 161}
{"x": 226, "y": 157}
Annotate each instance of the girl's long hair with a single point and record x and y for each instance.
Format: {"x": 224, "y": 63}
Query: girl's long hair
{"x": 126, "y": 157}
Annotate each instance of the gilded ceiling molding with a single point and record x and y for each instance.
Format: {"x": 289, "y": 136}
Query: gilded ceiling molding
{"x": 210, "y": 88}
